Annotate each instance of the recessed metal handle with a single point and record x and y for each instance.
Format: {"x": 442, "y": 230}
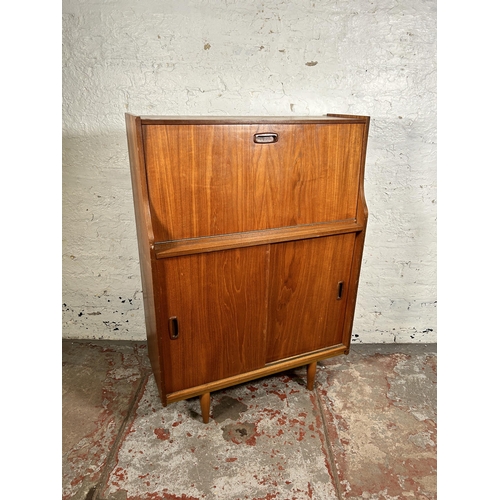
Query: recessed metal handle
{"x": 340, "y": 290}
{"x": 173, "y": 327}
{"x": 267, "y": 138}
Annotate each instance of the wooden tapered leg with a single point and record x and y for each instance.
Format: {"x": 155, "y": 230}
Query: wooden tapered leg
{"x": 311, "y": 373}
{"x": 205, "y": 406}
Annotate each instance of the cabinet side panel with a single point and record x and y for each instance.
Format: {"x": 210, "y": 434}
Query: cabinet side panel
{"x": 145, "y": 238}
{"x": 352, "y": 289}
{"x": 216, "y": 304}
{"x": 362, "y": 218}
{"x": 305, "y": 311}
{"x": 362, "y": 209}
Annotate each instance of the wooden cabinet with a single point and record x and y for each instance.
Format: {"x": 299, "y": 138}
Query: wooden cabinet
{"x": 250, "y": 233}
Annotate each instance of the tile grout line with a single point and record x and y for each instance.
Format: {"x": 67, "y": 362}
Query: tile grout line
{"x": 113, "y": 452}
{"x": 329, "y": 449}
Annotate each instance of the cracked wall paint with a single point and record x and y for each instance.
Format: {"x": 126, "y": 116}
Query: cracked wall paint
{"x": 279, "y": 58}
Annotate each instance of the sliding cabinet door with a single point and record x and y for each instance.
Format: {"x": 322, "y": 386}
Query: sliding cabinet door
{"x": 212, "y": 315}
{"x": 308, "y": 286}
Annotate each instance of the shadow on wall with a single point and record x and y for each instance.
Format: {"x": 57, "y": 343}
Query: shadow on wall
{"x": 102, "y": 292}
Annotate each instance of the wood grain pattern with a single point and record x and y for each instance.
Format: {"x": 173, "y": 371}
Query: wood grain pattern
{"x": 199, "y": 174}
{"x": 245, "y": 244}
{"x": 362, "y": 219}
{"x": 205, "y": 407}
{"x": 191, "y": 246}
{"x": 304, "y": 313}
{"x": 311, "y": 374}
{"x": 219, "y": 300}
{"x": 145, "y": 242}
{"x": 270, "y": 369}
{"x": 238, "y": 120}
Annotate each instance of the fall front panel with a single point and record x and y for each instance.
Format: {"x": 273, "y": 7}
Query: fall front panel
{"x": 208, "y": 180}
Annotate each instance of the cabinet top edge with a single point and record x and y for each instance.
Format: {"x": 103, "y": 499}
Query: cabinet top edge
{"x": 247, "y": 120}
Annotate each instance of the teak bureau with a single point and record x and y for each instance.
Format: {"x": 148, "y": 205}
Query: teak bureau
{"x": 251, "y": 233}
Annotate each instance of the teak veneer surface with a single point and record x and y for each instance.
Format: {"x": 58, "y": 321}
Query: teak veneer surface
{"x": 239, "y": 120}
{"x": 190, "y": 246}
{"x": 217, "y": 298}
{"x": 305, "y": 313}
{"x": 250, "y": 252}
{"x": 207, "y": 180}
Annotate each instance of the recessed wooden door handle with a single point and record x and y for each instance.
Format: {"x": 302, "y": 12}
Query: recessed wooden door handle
{"x": 340, "y": 290}
{"x": 173, "y": 327}
{"x": 267, "y": 138}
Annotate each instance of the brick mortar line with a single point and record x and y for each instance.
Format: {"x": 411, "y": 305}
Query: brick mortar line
{"x": 112, "y": 458}
{"x": 329, "y": 448}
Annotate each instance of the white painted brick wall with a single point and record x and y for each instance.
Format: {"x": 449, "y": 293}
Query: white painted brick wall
{"x": 228, "y": 57}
